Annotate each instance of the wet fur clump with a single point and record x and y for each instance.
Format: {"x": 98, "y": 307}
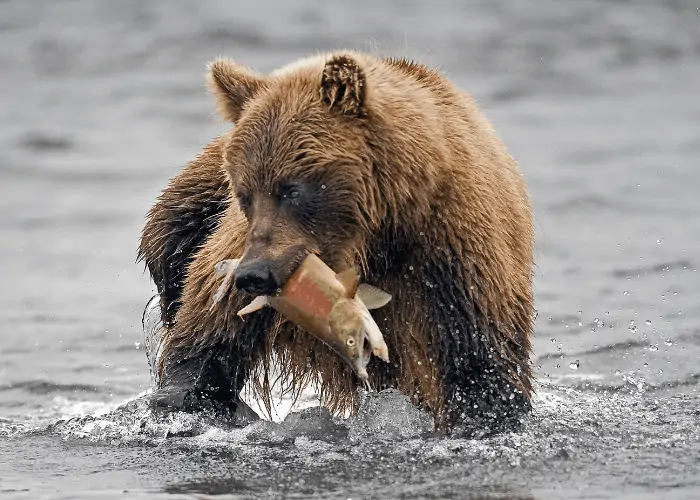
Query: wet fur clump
{"x": 392, "y": 169}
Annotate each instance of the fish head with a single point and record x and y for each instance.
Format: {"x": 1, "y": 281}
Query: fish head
{"x": 350, "y": 337}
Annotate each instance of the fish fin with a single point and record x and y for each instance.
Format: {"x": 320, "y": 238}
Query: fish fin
{"x": 220, "y": 292}
{"x": 222, "y": 268}
{"x": 375, "y": 337}
{"x": 258, "y": 303}
{"x": 350, "y": 280}
{"x": 372, "y": 297}
{"x": 224, "y": 287}
{"x": 381, "y": 352}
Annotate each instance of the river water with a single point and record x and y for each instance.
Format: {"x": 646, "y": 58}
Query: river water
{"x": 101, "y": 102}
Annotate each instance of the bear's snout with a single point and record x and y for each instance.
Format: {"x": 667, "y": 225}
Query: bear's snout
{"x": 257, "y": 278}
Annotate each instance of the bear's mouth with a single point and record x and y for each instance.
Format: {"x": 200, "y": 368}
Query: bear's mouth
{"x": 261, "y": 272}
{"x": 288, "y": 263}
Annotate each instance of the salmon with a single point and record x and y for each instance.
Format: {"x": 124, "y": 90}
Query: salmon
{"x": 332, "y": 307}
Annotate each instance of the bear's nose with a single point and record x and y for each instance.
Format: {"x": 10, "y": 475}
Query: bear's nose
{"x": 257, "y": 278}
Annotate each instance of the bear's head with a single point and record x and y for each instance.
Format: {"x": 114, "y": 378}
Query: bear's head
{"x": 300, "y": 163}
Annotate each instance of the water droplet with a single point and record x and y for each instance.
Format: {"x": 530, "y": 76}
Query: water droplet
{"x": 648, "y": 322}
{"x": 668, "y": 342}
{"x": 574, "y": 365}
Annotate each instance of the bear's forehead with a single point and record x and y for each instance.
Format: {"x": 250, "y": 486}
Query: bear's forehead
{"x": 276, "y": 142}
{"x": 285, "y": 119}
{"x": 277, "y": 128}
{"x": 286, "y": 129}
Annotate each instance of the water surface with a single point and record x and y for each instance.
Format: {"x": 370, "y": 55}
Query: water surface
{"x": 101, "y": 102}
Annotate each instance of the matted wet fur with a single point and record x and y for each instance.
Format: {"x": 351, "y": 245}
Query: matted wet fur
{"x": 423, "y": 196}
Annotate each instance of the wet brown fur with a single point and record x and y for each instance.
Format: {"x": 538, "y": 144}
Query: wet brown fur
{"x": 444, "y": 216}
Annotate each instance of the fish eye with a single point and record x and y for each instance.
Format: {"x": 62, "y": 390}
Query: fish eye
{"x": 350, "y": 342}
{"x": 293, "y": 194}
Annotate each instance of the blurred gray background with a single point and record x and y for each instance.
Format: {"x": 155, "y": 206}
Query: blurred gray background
{"x": 101, "y": 102}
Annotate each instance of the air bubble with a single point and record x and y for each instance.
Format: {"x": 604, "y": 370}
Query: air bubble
{"x": 668, "y": 342}
{"x": 648, "y": 322}
{"x": 323, "y": 186}
{"x": 137, "y": 345}
{"x": 653, "y": 347}
{"x": 574, "y": 365}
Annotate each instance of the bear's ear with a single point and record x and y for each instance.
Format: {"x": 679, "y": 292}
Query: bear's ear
{"x": 232, "y": 86}
{"x": 343, "y": 85}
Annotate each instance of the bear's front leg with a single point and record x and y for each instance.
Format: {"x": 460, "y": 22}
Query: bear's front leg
{"x": 195, "y": 382}
{"x": 208, "y": 377}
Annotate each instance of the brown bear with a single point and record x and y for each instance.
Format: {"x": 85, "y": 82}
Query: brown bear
{"x": 368, "y": 161}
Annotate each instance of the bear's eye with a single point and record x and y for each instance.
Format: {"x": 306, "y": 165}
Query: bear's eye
{"x": 243, "y": 201}
{"x": 290, "y": 192}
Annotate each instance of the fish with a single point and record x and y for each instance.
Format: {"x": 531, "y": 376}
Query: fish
{"x": 335, "y": 308}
